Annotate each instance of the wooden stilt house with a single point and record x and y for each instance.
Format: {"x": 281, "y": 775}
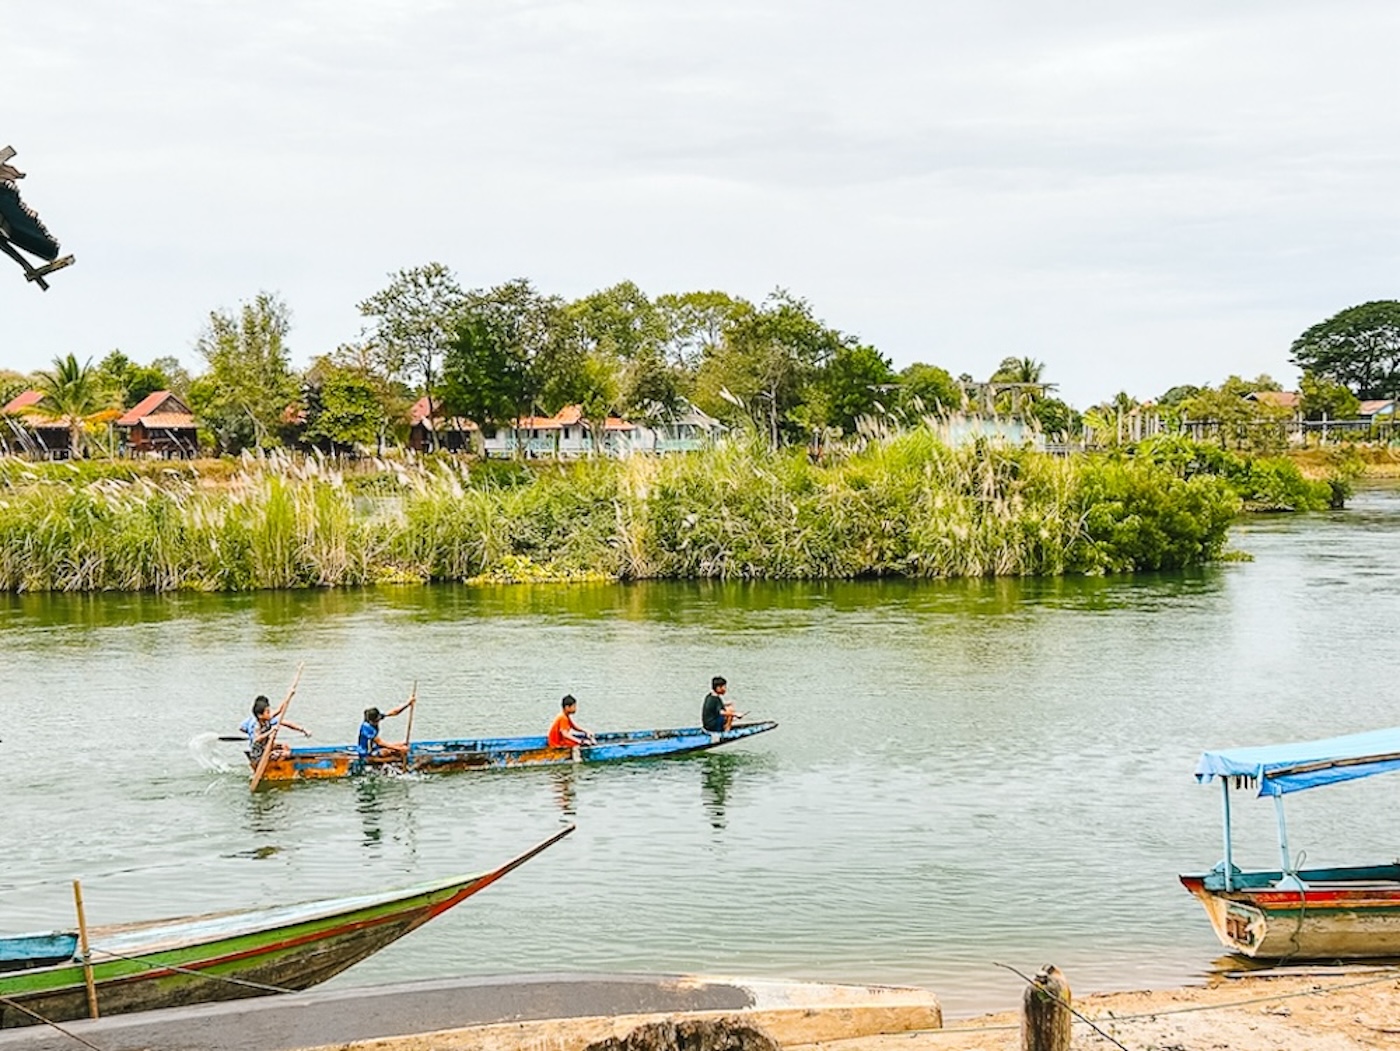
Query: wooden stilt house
{"x": 160, "y": 425}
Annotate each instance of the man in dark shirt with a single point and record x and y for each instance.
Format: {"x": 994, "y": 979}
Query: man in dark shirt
{"x": 717, "y": 715}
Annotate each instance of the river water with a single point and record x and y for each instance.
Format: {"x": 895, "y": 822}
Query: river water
{"x": 965, "y": 773}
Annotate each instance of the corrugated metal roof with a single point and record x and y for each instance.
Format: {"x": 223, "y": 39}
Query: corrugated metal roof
{"x": 20, "y": 402}
{"x": 151, "y": 404}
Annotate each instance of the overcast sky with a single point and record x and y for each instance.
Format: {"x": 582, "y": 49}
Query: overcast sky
{"x": 1138, "y": 195}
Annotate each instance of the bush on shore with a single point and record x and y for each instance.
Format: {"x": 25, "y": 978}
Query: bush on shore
{"x": 902, "y": 506}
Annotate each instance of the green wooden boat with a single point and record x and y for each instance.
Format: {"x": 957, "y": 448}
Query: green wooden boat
{"x": 220, "y": 956}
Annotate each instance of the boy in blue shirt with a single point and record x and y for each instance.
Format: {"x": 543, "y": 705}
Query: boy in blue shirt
{"x": 258, "y": 727}
{"x": 371, "y": 747}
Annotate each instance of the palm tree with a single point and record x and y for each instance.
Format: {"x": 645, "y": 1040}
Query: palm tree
{"x": 71, "y": 395}
{"x": 1019, "y": 370}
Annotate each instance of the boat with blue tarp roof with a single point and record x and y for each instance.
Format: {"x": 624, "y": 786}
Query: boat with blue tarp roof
{"x": 1291, "y": 913}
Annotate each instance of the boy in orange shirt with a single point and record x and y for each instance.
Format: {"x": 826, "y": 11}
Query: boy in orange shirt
{"x": 564, "y": 732}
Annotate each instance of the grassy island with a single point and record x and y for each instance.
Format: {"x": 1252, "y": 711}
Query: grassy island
{"x": 903, "y": 506}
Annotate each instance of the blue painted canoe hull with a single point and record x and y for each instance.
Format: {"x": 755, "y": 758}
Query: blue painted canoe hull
{"x": 488, "y": 753}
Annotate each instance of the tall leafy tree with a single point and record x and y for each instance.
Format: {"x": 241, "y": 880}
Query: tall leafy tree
{"x": 483, "y": 379}
{"x": 128, "y": 382}
{"x": 1358, "y": 347}
{"x": 513, "y": 351}
{"x": 697, "y": 323}
{"x": 619, "y": 322}
{"x": 855, "y": 383}
{"x": 344, "y": 404}
{"x": 73, "y": 395}
{"x": 413, "y": 320}
{"x": 1324, "y": 398}
{"x": 177, "y": 377}
{"x": 618, "y": 365}
{"x": 653, "y": 389}
{"x": 927, "y": 389}
{"x": 767, "y": 361}
{"x": 246, "y": 392}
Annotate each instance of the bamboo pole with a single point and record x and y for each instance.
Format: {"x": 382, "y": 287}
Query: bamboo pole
{"x": 408, "y": 733}
{"x": 83, "y": 947}
{"x": 272, "y": 736}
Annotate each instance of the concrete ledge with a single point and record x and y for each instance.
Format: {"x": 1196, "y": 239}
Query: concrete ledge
{"x": 557, "y": 1012}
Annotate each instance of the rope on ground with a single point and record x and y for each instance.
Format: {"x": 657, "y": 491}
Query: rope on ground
{"x": 245, "y": 982}
{"x": 49, "y": 1022}
{"x": 1389, "y": 976}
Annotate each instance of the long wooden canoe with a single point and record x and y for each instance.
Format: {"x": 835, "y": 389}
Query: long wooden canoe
{"x": 336, "y": 761}
{"x": 220, "y": 956}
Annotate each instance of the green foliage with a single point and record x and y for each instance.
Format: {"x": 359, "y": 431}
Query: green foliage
{"x": 1138, "y": 515}
{"x": 413, "y": 321}
{"x": 1324, "y": 398}
{"x": 13, "y": 384}
{"x": 1018, "y": 370}
{"x": 855, "y": 383}
{"x": 1358, "y": 347}
{"x": 344, "y": 406}
{"x": 928, "y": 389}
{"x": 1175, "y": 396}
{"x": 126, "y": 382}
{"x": 696, "y": 324}
{"x": 904, "y": 506}
{"x": 766, "y": 363}
{"x": 510, "y": 349}
{"x": 73, "y": 394}
{"x": 1056, "y": 417}
{"x": 1262, "y": 483}
{"x": 1237, "y": 417}
{"x": 244, "y": 397}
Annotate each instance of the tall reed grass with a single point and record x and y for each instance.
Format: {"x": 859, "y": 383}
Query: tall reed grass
{"x": 902, "y": 506}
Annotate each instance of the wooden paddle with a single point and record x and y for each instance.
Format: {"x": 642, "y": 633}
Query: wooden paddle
{"x": 272, "y": 735}
{"x": 408, "y": 734}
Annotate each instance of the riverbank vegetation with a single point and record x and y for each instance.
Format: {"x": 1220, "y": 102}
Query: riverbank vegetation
{"x": 905, "y": 505}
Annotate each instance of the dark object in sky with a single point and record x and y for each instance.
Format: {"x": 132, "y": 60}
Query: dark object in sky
{"x": 22, "y": 230}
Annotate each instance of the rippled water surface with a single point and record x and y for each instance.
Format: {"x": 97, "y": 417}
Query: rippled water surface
{"x": 965, "y": 773}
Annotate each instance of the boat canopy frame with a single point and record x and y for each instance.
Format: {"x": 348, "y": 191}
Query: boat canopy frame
{"x": 1278, "y": 770}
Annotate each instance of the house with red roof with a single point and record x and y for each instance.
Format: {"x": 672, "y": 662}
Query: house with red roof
{"x": 566, "y": 434}
{"x": 569, "y": 435}
{"x": 432, "y": 431}
{"x": 26, "y": 430}
{"x": 160, "y": 425}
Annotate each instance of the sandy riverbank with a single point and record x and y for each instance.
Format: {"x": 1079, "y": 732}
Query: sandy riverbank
{"x": 1313, "y": 1011}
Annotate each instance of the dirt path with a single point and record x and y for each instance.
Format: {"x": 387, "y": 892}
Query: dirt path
{"x": 1333, "y": 1013}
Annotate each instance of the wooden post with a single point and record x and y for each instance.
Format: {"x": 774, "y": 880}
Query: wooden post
{"x": 1045, "y": 1014}
{"x": 83, "y": 947}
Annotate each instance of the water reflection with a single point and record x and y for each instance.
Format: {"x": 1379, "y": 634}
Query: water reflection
{"x": 380, "y": 796}
{"x": 563, "y": 780}
{"x": 269, "y": 810}
{"x": 717, "y": 776}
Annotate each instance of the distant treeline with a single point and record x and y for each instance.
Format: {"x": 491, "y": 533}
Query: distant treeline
{"x": 771, "y": 368}
{"x": 905, "y": 506}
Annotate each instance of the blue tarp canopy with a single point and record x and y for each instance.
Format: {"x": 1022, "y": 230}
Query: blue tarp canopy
{"x": 1284, "y": 768}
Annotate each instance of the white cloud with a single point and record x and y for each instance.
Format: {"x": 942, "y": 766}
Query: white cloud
{"x": 1138, "y": 196}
